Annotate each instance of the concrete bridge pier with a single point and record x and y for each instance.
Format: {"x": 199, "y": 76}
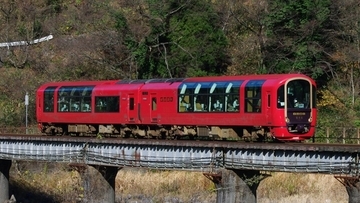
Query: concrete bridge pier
{"x": 235, "y": 186}
{"x": 4, "y": 179}
{"x": 98, "y": 183}
{"x": 352, "y": 185}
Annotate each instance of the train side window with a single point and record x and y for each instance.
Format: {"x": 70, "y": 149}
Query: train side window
{"x": 85, "y": 103}
{"x": 232, "y": 92}
{"x": 74, "y": 98}
{"x": 201, "y": 97}
{"x": 222, "y": 96}
{"x": 280, "y": 97}
{"x": 107, "y": 104}
{"x": 49, "y": 99}
{"x": 131, "y": 103}
{"x": 153, "y": 102}
{"x": 253, "y": 96}
{"x": 63, "y": 99}
{"x": 313, "y": 96}
{"x": 184, "y": 103}
{"x": 218, "y": 96}
{"x": 186, "y": 97}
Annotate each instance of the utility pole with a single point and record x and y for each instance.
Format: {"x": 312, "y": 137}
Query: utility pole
{"x": 26, "y": 111}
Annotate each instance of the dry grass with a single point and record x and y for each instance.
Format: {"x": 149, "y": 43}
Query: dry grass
{"x": 53, "y": 181}
{"x": 165, "y": 185}
{"x": 301, "y": 188}
{"x": 145, "y": 185}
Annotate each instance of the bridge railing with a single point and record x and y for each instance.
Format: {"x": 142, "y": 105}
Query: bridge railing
{"x": 344, "y": 135}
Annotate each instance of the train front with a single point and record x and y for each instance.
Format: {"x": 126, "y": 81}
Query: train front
{"x": 296, "y": 108}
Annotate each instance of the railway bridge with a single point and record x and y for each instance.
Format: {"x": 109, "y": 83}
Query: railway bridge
{"x": 232, "y": 166}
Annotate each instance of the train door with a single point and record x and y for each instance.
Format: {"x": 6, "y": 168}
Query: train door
{"x": 145, "y": 104}
{"x": 132, "y": 108}
{"x": 153, "y": 109}
{"x": 149, "y": 104}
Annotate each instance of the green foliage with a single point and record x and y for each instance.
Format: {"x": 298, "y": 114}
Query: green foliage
{"x": 198, "y": 42}
{"x": 184, "y": 40}
{"x": 179, "y": 38}
{"x": 9, "y": 115}
{"x": 297, "y": 36}
{"x": 331, "y": 121}
{"x": 357, "y": 123}
{"x": 120, "y": 21}
{"x": 37, "y": 29}
{"x": 357, "y": 111}
{"x": 22, "y": 30}
{"x": 99, "y": 136}
{"x": 55, "y": 5}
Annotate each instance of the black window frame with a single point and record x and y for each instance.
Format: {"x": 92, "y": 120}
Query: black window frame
{"x": 107, "y": 104}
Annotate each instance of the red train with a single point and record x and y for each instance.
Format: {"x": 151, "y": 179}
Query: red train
{"x": 280, "y": 106}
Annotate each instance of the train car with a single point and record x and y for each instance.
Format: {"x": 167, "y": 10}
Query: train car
{"x": 252, "y": 107}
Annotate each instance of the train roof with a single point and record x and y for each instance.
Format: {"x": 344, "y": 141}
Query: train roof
{"x": 245, "y": 77}
{"x": 78, "y": 83}
{"x": 273, "y": 77}
{"x": 215, "y": 78}
{"x": 157, "y": 80}
{"x": 276, "y": 77}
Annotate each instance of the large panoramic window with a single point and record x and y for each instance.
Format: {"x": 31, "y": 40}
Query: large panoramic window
{"x": 209, "y": 96}
{"x": 74, "y": 99}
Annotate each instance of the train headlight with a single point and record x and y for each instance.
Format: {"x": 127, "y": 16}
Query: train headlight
{"x": 287, "y": 120}
{"x": 310, "y": 119}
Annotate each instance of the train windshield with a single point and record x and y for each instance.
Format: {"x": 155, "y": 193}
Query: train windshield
{"x": 296, "y": 94}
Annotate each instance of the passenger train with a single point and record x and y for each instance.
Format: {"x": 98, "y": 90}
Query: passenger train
{"x": 251, "y": 107}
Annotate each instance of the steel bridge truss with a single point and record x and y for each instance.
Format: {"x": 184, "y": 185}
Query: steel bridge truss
{"x": 184, "y": 155}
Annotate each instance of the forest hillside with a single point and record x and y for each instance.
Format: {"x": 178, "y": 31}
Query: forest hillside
{"x": 141, "y": 39}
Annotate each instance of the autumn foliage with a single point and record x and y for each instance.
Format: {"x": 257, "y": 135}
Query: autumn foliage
{"x": 152, "y": 38}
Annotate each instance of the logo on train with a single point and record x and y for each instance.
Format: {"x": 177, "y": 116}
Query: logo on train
{"x": 166, "y": 99}
{"x": 299, "y": 115}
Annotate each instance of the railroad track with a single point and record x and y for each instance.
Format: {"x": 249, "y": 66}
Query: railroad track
{"x": 302, "y": 146}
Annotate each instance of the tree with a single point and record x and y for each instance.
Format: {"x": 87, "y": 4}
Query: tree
{"x": 20, "y": 22}
{"x": 243, "y": 24}
{"x": 347, "y": 55}
{"x": 298, "y": 40}
{"x": 184, "y": 39}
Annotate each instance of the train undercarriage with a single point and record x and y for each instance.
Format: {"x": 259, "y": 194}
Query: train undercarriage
{"x": 247, "y": 133}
